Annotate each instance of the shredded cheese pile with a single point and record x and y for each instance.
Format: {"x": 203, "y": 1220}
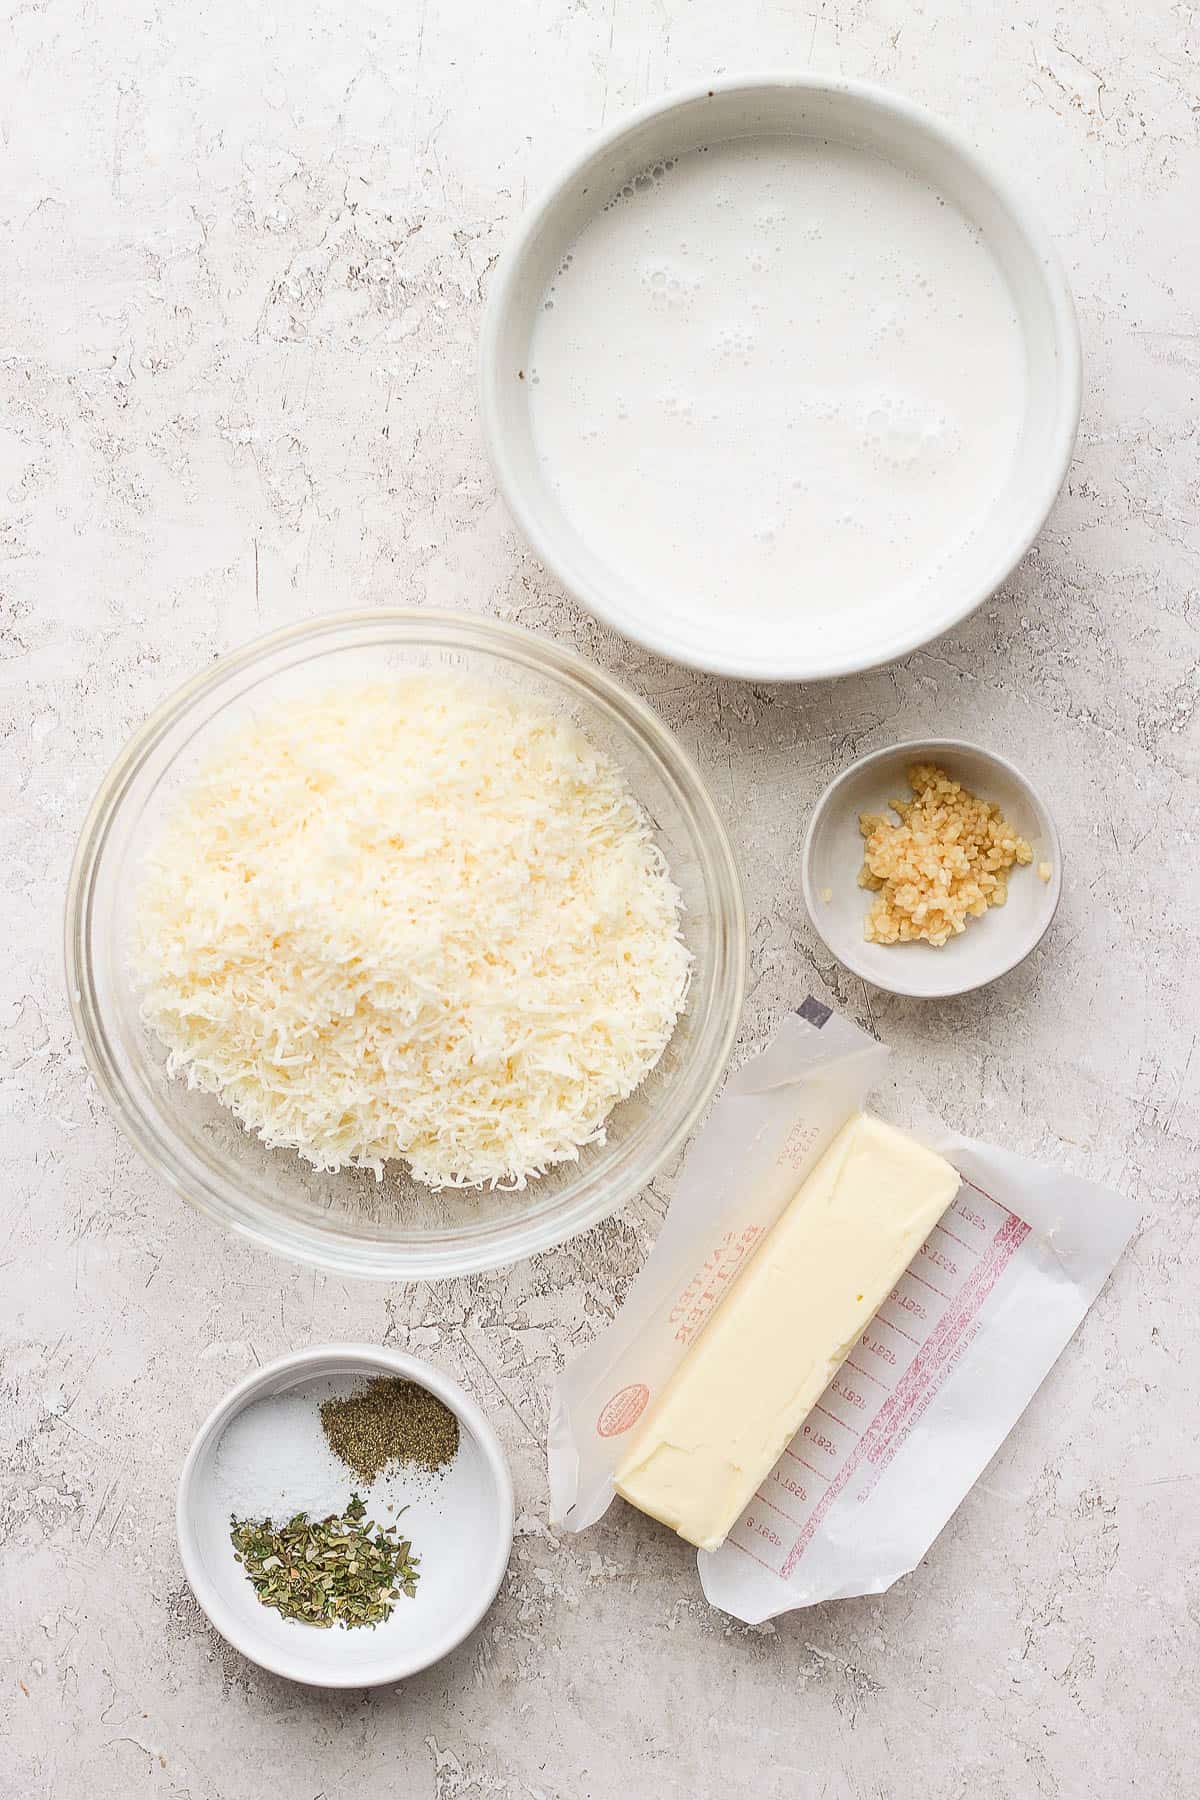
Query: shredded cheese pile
{"x": 420, "y": 919}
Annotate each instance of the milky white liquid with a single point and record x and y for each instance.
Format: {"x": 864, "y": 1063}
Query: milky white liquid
{"x": 776, "y": 376}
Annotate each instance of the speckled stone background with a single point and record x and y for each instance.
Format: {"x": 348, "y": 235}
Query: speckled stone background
{"x": 244, "y": 254}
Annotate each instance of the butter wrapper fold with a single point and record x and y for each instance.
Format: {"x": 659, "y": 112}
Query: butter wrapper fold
{"x": 928, "y": 1393}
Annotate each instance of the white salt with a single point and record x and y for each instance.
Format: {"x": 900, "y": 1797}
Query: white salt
{"x": 273, "y": 1461}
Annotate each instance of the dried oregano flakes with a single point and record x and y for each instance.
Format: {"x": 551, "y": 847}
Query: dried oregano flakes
{"x": 336, "y": 1571}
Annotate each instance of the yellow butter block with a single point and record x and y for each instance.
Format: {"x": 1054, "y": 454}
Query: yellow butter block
{"x": 779, "y": 1336}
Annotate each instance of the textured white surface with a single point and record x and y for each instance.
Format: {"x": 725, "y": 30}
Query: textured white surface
{"x": 244, "y": 256}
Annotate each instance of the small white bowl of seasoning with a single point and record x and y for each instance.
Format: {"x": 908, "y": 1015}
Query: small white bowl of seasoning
{"x": 988, "y": 946}
{"x": 265, "y": 1454}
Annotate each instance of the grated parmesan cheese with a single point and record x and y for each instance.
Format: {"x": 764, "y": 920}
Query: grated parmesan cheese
{"x": 421, "y": 919}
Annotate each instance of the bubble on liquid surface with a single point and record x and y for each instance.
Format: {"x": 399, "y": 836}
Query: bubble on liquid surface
{"x": 666, "y": 280}
{"x": 903, "y": 433}
{"x": 734, "y": 340}
{"x": 677, "y": 405}
{"x": 886, "y": 323}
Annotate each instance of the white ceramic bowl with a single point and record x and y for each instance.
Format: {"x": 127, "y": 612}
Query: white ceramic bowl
{"x": 833, "y": 855}
{"x": 460, "y": 1523}
{"x": 806, "y": 105}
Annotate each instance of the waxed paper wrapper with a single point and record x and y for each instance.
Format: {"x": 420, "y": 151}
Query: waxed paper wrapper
{"x": 931, "y": 1389}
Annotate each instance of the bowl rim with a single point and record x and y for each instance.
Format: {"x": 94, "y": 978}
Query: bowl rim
{"x": 207, "y": 1188}
{"x": 368, "y": 1357}
{"x": 932, "y": 748}
{"x": 642, "y": 628}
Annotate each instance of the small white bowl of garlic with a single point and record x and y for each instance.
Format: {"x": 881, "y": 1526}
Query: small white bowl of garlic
{"x": 840, "y": 904}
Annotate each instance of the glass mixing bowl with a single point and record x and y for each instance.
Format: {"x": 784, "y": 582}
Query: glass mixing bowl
{"x": 395, "y": 1229}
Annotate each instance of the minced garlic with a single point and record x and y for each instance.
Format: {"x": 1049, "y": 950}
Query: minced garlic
{"x": 945, "y": 862}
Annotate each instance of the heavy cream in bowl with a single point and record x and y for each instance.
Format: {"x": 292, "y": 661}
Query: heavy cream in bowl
{"x": 768, "y": 398}
{"x": 777, "y": 377}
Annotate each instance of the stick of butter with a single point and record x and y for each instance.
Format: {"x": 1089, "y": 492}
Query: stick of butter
{"x": 768, "y": 1352}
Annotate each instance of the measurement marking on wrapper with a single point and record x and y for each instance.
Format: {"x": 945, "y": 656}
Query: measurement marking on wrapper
{"x": 761, "y": 1529}
{"x": 946, "y": 1344}
{"x": 919, "y": 1381}
{"x": 976, "y": 1189}
{"x": 763, "y": 1501}
{"x": 954, "y": 1238}
{"x": 822, "y": 1442}
{"x": 898, "y": 1329}
{"x": 972, "y": 1218}
{"x": 805, "y": 1465}
{"x": 907, "y": 1304}
{"x": 789, "y": 1484}
{"x": 746, "y": 1551}
{"x": 818, "y": 1440}
{"x": 920, "y": 1279}
{"x": 866, "y": 1373}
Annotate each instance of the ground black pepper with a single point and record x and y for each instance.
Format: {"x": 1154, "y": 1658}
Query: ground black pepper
{"x": 390, "y": 1420}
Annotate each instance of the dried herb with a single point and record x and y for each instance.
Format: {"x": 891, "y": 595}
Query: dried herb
{"x": 390, "y": 1420}
{"x": 335, "y": 1571}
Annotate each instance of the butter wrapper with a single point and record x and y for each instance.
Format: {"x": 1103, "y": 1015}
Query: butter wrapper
{"x": 931, "y": 1389}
